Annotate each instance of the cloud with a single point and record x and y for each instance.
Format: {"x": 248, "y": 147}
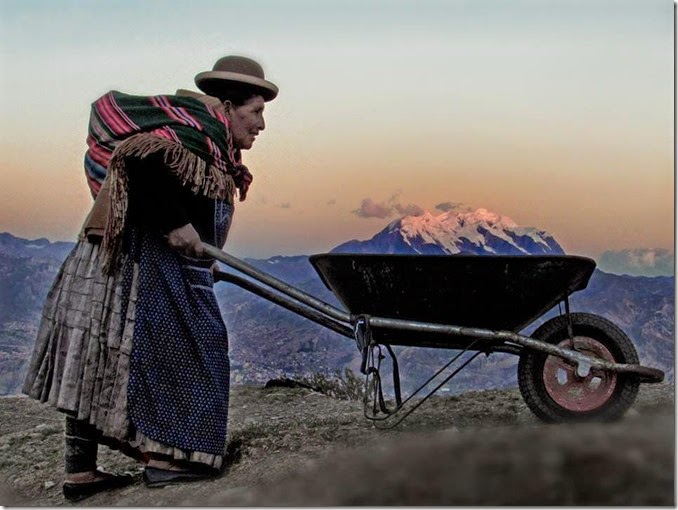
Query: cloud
{"x": 409, "y": 210}
{"x": 446, "y": 206}
{"x": 638, "y": 262}
{"x": 450, "y": 206}
{"x": 370, "y": 209}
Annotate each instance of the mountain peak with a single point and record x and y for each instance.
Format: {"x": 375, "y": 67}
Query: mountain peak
{"x": 477, "y": 232}
{"x": 456, "y": 218}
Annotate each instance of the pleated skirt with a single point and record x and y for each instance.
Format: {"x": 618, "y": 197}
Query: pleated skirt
{"x": 81, "y": 360}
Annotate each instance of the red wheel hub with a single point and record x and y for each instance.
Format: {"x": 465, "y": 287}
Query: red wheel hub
{"x": 572, "y": 391}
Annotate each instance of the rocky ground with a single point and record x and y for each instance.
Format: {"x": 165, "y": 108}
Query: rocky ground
{"x": 302, "y": 448}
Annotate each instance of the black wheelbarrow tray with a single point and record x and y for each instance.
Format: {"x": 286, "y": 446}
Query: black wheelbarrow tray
{"x": 574, "y": 367}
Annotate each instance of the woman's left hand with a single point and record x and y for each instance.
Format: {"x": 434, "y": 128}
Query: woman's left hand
{"x": 186, "y": 241}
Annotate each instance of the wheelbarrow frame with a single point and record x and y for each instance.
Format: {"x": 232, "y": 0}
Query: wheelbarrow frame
{"x": 359, "y": 326}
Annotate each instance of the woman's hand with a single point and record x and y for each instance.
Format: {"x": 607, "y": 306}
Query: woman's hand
{"x": 186, "y": 241}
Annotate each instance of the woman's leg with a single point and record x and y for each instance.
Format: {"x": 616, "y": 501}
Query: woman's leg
{"x": 83, "y": 479}
{"x": 80, "y": 451}
{"x": 159, "y": 461}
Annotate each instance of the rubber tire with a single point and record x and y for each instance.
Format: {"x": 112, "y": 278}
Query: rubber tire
{"x": 531, "y": 366}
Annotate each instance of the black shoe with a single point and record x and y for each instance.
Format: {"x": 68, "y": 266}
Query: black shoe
{"x": 79, "y": 491}
{"x": 156, "y": 477}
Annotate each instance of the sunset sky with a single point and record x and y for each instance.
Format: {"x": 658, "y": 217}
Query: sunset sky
{"x": 555, "y": 113}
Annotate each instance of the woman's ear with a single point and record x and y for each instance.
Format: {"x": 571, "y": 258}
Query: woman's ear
{"x": 228, "y": 105}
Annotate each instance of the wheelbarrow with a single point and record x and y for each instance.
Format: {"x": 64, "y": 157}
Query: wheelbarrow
{"x": 574, "y": 367}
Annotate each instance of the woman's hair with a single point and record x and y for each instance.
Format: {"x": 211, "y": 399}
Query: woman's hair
{"x": 237, "y": 95}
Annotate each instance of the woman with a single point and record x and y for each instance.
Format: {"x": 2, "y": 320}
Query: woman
{"x": 132, "y": 346}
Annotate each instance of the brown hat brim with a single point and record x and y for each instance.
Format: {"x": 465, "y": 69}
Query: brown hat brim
{"x": 211, "y": 82}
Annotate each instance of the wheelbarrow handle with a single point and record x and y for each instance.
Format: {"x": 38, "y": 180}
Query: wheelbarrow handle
{"x": 286, "y": 302}
{"x": 279, "y": 285}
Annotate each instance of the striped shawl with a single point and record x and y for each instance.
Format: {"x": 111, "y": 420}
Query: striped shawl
{"x": 194, "y": 138}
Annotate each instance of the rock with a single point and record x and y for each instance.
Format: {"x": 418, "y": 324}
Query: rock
{"x": 49, "y": 484}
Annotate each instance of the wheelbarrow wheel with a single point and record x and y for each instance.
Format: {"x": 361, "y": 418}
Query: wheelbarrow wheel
{"x": 554, "y": 390}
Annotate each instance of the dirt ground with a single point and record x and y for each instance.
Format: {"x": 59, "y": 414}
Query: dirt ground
{"x": 297, "y": 447}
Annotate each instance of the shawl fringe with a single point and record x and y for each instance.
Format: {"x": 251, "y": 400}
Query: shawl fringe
{"x": 203, "y": 178}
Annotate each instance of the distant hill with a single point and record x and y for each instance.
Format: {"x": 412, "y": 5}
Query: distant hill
{"x": 638, "y": 262}
{"x": 37, "y": 249}
{"x": 27, "y": 269}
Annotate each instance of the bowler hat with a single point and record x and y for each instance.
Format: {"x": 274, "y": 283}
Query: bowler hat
{"x": 236, "y": 72}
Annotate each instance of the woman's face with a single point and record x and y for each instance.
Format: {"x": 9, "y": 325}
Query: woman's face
{"x": 246, "y": 121}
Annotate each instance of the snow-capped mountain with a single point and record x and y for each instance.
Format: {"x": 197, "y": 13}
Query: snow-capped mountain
{"x": 479, "y": 232}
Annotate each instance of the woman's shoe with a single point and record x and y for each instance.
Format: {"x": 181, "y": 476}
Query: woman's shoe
{"x": 156, "y": 477}
{"x": 79, "y": 491}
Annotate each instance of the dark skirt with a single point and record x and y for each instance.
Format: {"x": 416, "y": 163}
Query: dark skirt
{"x": 141, "y": 354}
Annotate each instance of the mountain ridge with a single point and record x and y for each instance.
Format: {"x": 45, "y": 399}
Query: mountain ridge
{"x": 479, "y": 232}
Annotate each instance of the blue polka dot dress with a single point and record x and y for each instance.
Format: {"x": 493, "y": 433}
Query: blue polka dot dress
{"x": 178, "y": 385}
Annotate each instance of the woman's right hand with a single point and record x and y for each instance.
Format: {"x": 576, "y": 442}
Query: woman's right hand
{"x": 186, "y": 241}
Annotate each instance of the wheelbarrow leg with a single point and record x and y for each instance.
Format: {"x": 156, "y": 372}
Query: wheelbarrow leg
{"x": 396, "y": 376}
{"x": 363, "y": 337}
{"x": 569, "y": 317}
